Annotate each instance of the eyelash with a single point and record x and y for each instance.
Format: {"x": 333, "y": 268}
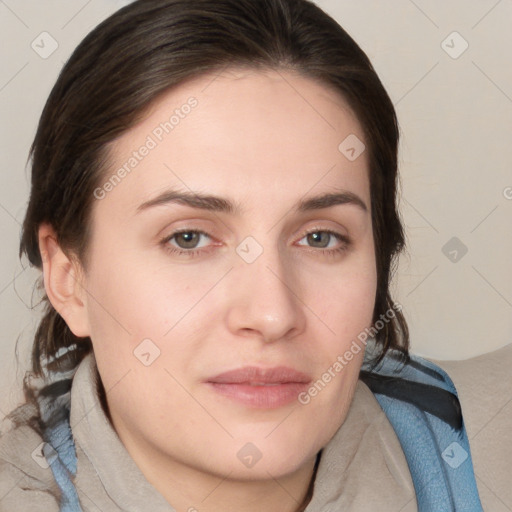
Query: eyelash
{"x": 192, "y": 253}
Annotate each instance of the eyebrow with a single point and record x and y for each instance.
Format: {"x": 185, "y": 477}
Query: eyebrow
{"x": 223, "y": 205}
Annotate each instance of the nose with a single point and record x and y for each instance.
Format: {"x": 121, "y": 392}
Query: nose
{"x": 265, "y": 305}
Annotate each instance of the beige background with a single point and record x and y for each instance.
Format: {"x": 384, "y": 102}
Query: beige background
{"x": 455, "y": 113}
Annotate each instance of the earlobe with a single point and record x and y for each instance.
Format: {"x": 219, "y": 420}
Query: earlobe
{"x": 63, "y": 282}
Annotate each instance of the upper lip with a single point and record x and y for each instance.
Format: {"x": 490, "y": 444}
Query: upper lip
{"x": 256, "y": 375}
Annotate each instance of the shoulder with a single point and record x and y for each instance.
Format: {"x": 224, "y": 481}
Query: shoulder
{"x": 484, "y": 386}
{"x": 26, "y": 481}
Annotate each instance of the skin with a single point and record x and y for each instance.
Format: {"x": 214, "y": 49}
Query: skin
{"x": 264, "y": 140}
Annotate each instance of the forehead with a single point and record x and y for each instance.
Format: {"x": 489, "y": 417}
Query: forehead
{"x": 257, "y": 136}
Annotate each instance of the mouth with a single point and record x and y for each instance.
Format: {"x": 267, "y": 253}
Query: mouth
{"x": 261, "y": 388}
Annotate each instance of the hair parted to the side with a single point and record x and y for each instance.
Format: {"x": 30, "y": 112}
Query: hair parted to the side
{"x": 149, "y": 46}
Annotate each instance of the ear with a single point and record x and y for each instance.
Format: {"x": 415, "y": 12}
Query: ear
{"x": 63, "y": 278}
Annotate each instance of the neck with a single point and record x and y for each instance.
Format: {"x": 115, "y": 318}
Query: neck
{"x": 290, "y": 493}
{"x": 188, "y": 489}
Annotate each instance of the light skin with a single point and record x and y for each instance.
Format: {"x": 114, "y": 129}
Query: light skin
{"x": 264, "y": 141}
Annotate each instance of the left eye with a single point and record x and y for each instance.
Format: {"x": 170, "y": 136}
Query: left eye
{"x": 321, "y": 239}
{"x": 189, "y": 239}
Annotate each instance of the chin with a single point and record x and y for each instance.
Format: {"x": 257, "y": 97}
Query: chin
{"x": 278, "y": 464}
{"x": 276, "y": 454}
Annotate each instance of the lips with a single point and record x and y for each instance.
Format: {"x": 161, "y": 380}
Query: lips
{"x": 264, "y": 388}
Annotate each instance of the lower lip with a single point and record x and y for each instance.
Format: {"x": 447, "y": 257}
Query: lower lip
{"x": 261, "y": 397}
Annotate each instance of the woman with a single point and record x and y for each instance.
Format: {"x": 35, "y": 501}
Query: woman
{"x": 213, "y": 211}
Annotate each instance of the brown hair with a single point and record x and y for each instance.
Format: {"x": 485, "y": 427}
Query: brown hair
{"x": 141, "y": 51}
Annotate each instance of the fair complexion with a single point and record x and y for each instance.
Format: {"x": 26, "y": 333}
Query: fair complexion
{"x": 266, "y": 143}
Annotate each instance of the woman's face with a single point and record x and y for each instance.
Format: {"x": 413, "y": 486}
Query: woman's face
{"x": 231, "y": 263}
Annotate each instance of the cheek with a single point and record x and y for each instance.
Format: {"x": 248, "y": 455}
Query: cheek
{"x": 123, "y": 309}
{"x": 345, "y": 299}
{"x": 131, "y": 301}
{"x": 345, "y": 307}
{"x": 128, "y": 295}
